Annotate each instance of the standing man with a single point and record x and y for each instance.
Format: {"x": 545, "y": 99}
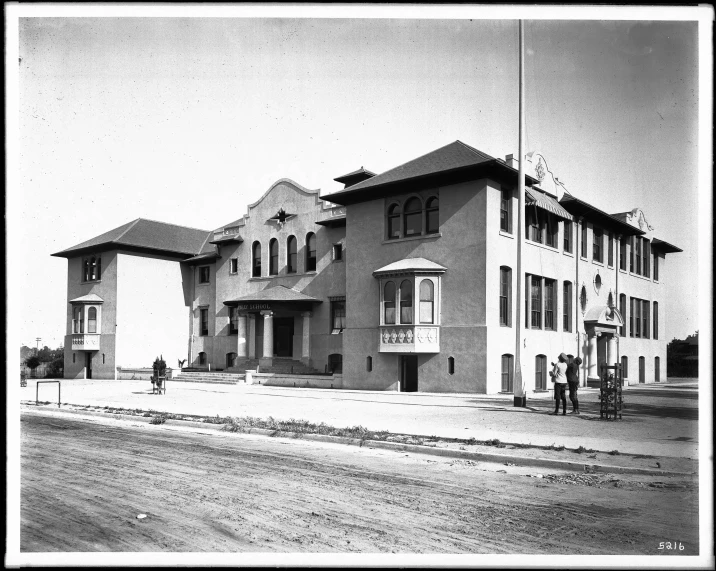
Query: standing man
{"x": 559, "y": 378}
{"x": 573, "y": 382}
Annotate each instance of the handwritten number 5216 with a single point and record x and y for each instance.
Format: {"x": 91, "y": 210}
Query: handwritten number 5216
{"x": 669, "y": 546}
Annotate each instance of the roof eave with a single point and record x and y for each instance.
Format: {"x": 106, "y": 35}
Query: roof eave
{"x": 579, "y": 207}
{"x": 99, "y": 248}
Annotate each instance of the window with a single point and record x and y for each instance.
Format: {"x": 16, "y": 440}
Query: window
{"x": 657, "y": 369}
{"x": 646, "y": 251}
{"x": 645, "y": 319}
{"x": 584, "y": 239}
{"x": 432, "y": 216}
{"x": 622, "y": 254}
{"x": 273, "y": 257}
{"x": 203, "y": 322}
{"x": 233, "y": 265}
{"x": 92, "y": 320}
{"x": 534, "y": 230}
{"x": 625, "y": 367}
{"x": 597, "y": 283}
{"x": 552, "y": 225}
{"x": 567, "y": 307}
{"x": 291, "y": 255}
{"x": 91, "y": 269}
{"x": 541, "y": 373}
{"x": 369, "y": 363}
{"x": 642, "y": 370}
{"x": 202, "y": 358}
{"x": 427, "y": 296}
{"x": 337, "y": 252}
{"x": 568, "y": 236}
{"x": 393, "y": 222}
{"x": 103, "y": 358}
{"x": 256, "y": 263}
{"x": 631, "y": 254}
{"x": 623, "y": 311}
{"x": 406, "y": 302}
{"x": 73, "y": 357}
{"x": 656, "y": 267}
{"x": 505, "y": 296}
{"x": 413, "y": 217}
{"x": 656, "y": 320}
{"x": 78, "y": 321}
{"x": 505, "y": 210}
{"x": 310, "y": 252}
{"x": 231, "y": 360}
{"x": 610, "y": 253}
{"x": 233, "y": 320}
{"x": 338, "y": 316}
{"x": 507, "y": 370}
{"x": 583, "y": 299}
{"x": 638, "y": 255}
{"x": 536, "y": 297}
{"x": 597, "y": 237}
{"x": 204, "y": 273}
{"x": 631, "y": 317}
{"x": 451, "y": 365}
{"x": 550, "y": 302}
{"x": 389, "y": 303}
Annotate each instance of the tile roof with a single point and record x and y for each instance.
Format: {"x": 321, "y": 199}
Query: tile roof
{"x": 277, "y": 293}
{"x": 453, "y": 156}
{"x": 410, "y": 265}
{"x": 143, "y": 234}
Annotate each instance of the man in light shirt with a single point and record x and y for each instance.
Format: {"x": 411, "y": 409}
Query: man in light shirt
{"x": 559, "y": 378}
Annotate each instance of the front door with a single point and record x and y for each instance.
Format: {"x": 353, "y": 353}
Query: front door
{"x": 88, "y": 365}
{"x": 283, "y": 336}
{"x": 408, "y": 373}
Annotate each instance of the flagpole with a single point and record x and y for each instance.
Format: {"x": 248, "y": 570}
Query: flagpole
{"x": 519, "y": 387}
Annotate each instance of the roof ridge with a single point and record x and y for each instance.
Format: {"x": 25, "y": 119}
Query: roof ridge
{"x": 172, "y": 224}
{"x": 131, "y": 225}
{"x": 474, "y": 150}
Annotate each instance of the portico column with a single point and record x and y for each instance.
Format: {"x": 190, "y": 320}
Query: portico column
{"x": 612, "y": 350}
{"x": 306, "y": 346}
{"x": 267, "y": 359}
{"x": 242, "y": 349}
{"x": 252, "y": 336}
{"x": 592, "y": 373}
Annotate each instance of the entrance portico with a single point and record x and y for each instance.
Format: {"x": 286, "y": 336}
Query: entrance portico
{"x": 601, "y": 325}
{"x": 267, "y": 324}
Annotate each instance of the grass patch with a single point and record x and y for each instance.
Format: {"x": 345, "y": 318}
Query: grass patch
{"x": 158, "y": 419}
{"x": 494, "y": 442}
{"x": 614, "y": 453}
{"x": 582, "y": 450}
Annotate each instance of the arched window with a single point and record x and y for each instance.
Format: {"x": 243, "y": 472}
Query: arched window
{"x": 256, "y": 257}
{"x": 507, "y": 371}
{"x": 432, "y": 215}
{"x": 541, "y": 373}
{"x": 657, "y": 369}
{"x": 291, "y": 255}
{"x": 583, "y": 299}
{"x": 92, "y": 320}
{"x": 427, "y": 295}
{"x": 451, "y": 365}
{"x": 78, "y": 322}
{"x": 406, "y": 302}
{"x": 393, "y": 222}
{"x": 310, "y": 252}
{"x": 389, "y": 303}
{"x": 625, "y": 367}
{"x": 273, "y": 257}
{"x": 413, "y": 218}
{"x": 231, "y": 360}
{"x": 202, "y": 358}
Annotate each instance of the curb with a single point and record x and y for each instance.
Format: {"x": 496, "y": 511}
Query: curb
{"x": 395, "y": 446}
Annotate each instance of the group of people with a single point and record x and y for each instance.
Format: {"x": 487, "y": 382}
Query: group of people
{"x": 566, "y": 373}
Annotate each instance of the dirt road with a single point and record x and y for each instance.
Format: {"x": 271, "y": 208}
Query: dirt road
{"x": 85, "y": 481}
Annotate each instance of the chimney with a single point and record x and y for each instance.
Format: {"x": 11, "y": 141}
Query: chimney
{"x": 512, "y": 161}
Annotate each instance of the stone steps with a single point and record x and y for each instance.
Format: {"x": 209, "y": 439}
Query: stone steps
{"x": 218, "y": 378}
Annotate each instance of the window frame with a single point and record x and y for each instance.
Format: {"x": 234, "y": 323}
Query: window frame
{"x": 656, "y": 265}
{"x": 204, "y": 274}
{"x": 536, "y": 314}
{"x": 597, "y": 244}
{"x": 338, "y": 306}
{"x": 550, "y": 304}
{"x": 623, "y": 311}
{"x": 273, "y": 257}
{"x": 507, "y": 376}
{"x": 387, "y": 300}
{"x": 311, "y": 257}
{"x": 432, "y": 205}
{"x": 655, "y": 318}
{"x": 623, "y": 254}
{"x": 583, "y": 251}
{"x": 233, "y": 266}
{"x": 203, "y": 322}
{"x": 610, "y": 252}
{"x": 291, "y": 255}
{"x": 256, "y": 259}
{"x": 415, "y": 214}
{"x": 404, "y": 299}
{"x": 506, "y": 210}
{"x": 505, "y": 296}
{"x": 567, "y": 243}
{"x": 567, "y": 306}
{"x": 233, "y": 321}
{"x": 540, "y": 372}
{"x": 338, "y": 252}
{"x": 394, "y": 217}
{"x": 91, "y": 268}
{"x": 91, "y": 323}
{"x": 422, "y": 303}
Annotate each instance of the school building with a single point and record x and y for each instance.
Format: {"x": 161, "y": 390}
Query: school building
{"x": 404, "y": 280}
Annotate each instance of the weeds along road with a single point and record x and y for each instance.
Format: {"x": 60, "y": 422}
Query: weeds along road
{"x": 85, "y": 481}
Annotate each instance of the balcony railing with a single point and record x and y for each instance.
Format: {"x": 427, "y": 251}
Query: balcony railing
{"x": 85, "y": 341}
{"x": 409, "y": 339}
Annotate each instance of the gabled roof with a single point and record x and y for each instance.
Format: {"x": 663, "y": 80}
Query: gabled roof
{"x": 411, "y": 265}
{"x": 460, "y": 161}
{"x": 145, "y": 236}
{"x": 273, "y": 294}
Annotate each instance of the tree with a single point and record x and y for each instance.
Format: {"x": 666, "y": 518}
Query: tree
{"x": 33, "y": 362}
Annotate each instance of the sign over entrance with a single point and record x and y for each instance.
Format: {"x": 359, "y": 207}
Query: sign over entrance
{"x": 253, "y": 306}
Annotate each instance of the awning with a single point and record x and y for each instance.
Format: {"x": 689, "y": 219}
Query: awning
{"x": 277, "y": 294}
{"x": 547, "y": 203}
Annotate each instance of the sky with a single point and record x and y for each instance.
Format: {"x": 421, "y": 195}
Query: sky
{"x": 188, "y": 120}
